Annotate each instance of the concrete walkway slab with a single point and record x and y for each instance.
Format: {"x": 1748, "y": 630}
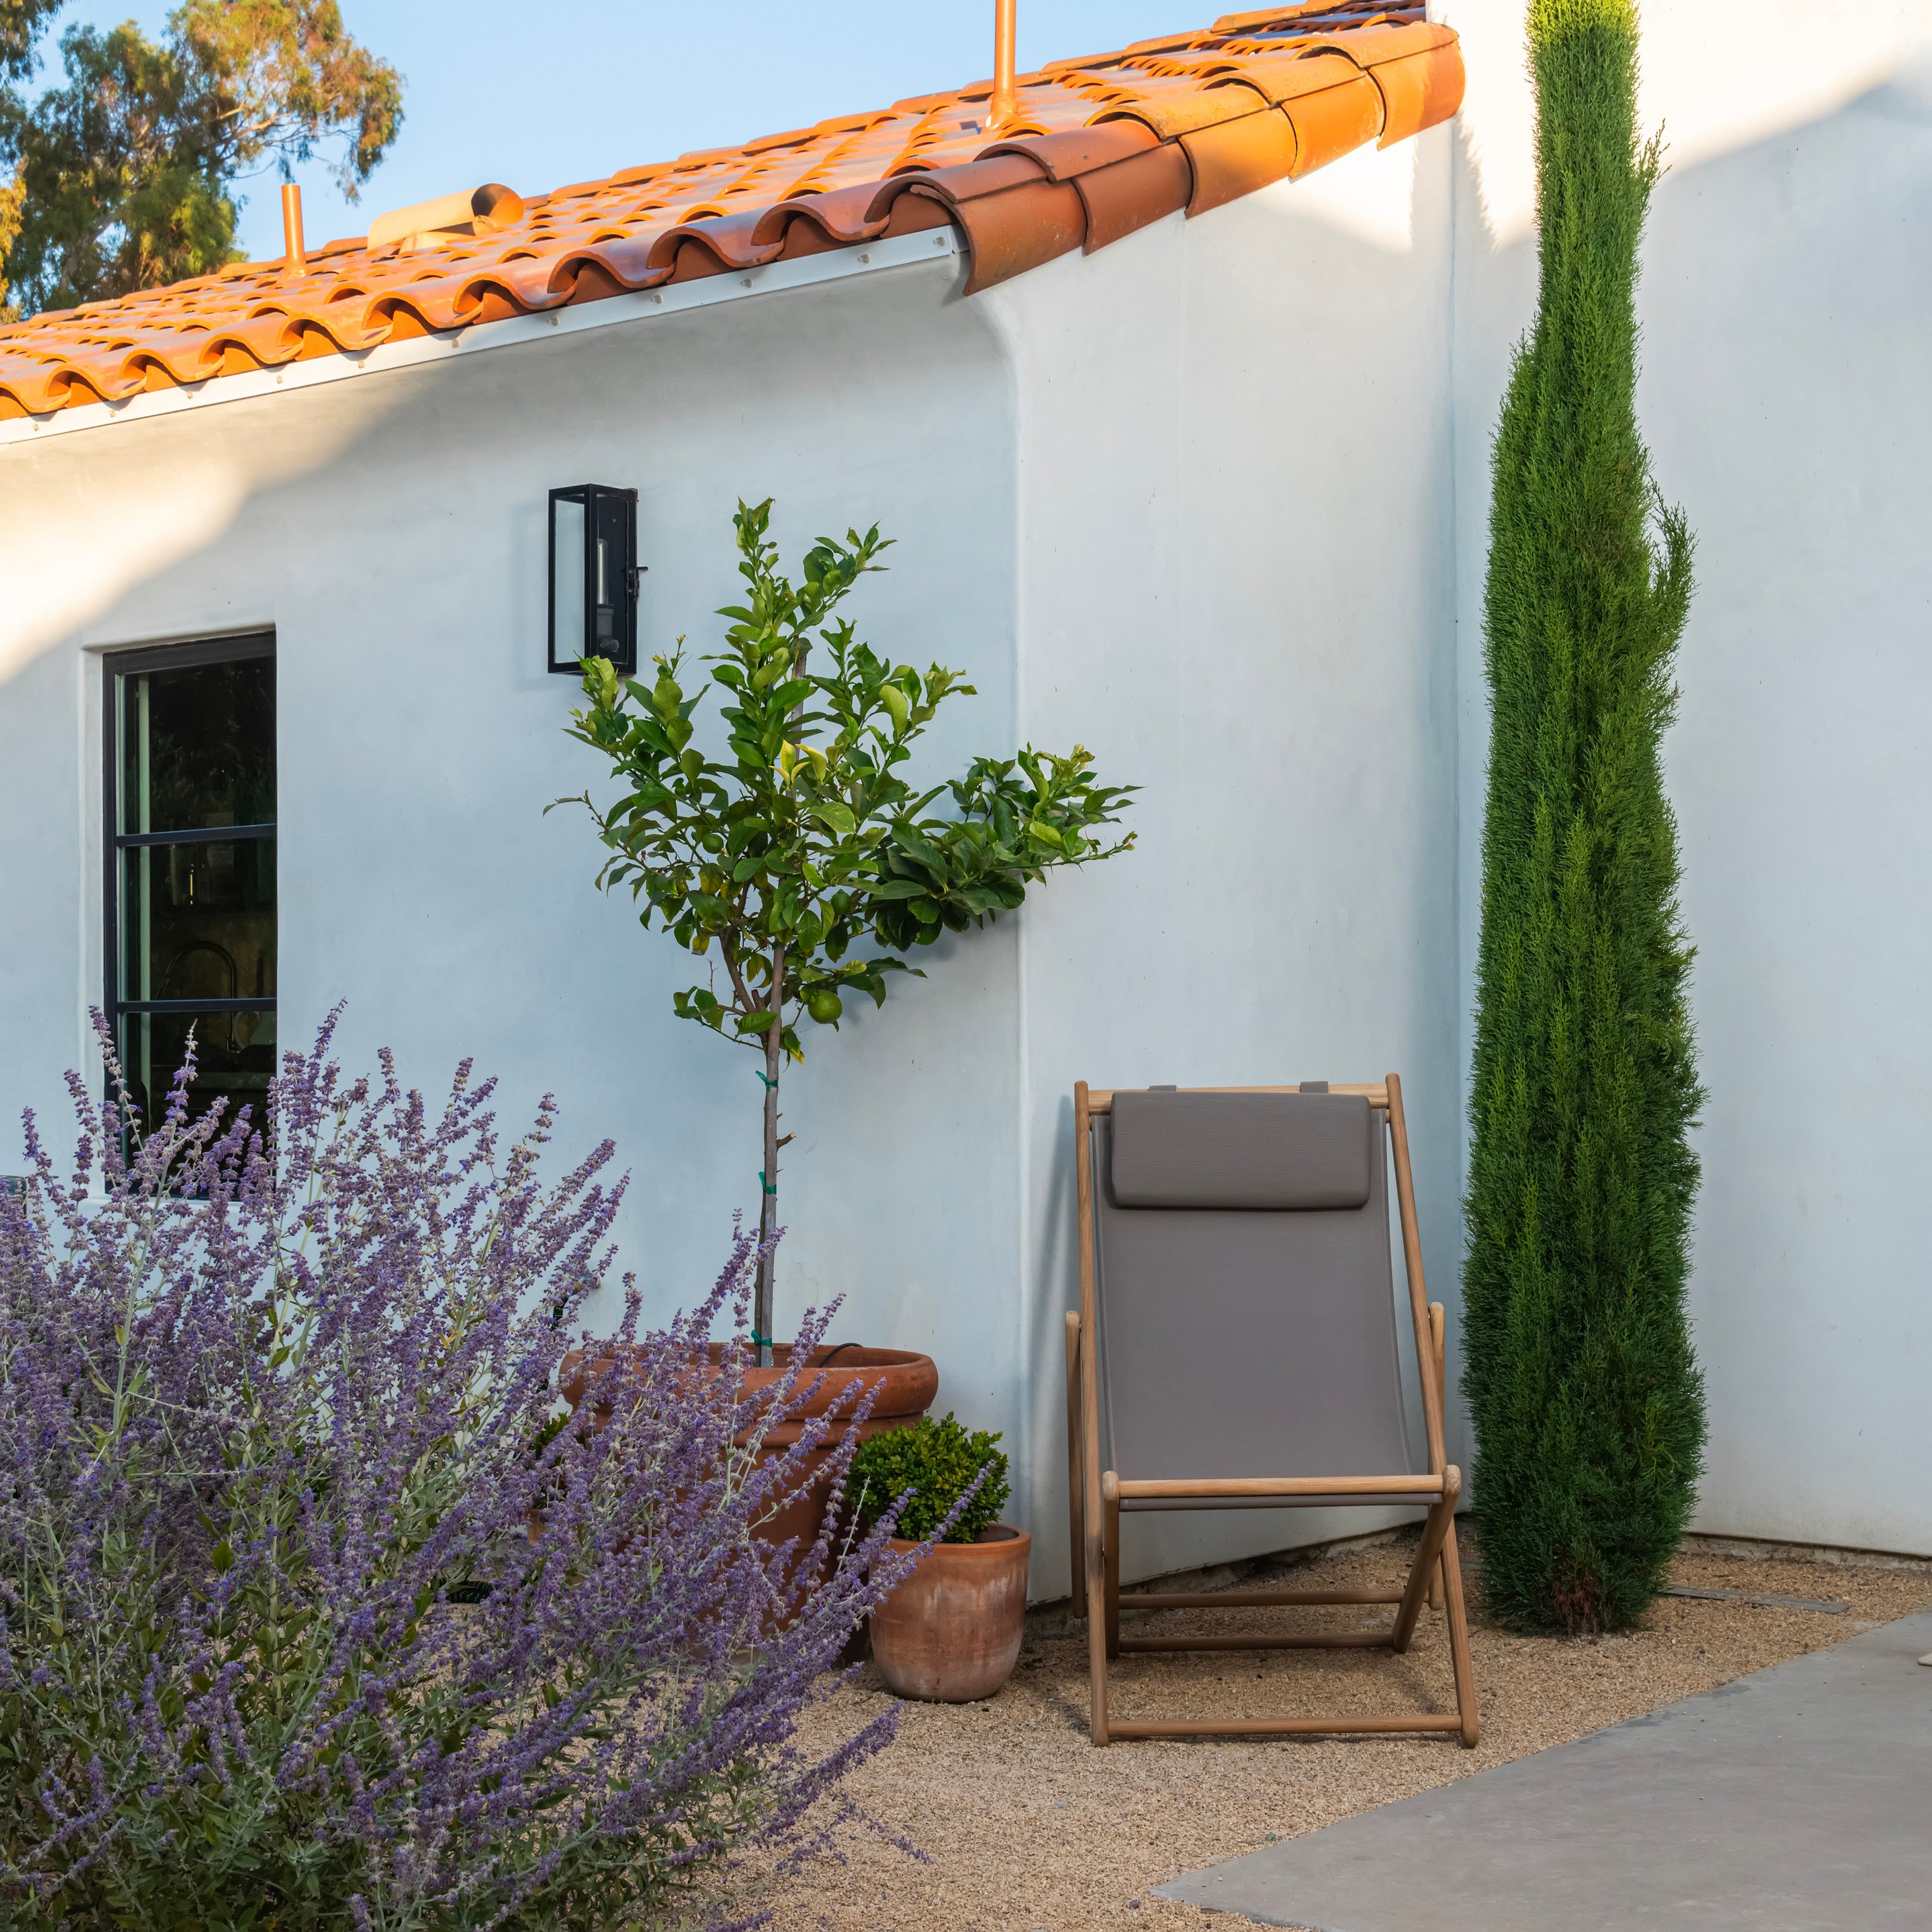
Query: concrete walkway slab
{"x": 1796, "y": 1800}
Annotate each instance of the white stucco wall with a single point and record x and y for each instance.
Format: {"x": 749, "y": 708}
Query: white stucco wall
{"x": 1159, "y": 501}
{"x": 1213, "y": 502}
{"x": 391, "y": 528}
{"x": 1787, "y": 401}
{"x": 1234, "y": 577}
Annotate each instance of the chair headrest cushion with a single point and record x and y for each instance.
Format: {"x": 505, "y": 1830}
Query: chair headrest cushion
{"x": 1259, "y": 1151}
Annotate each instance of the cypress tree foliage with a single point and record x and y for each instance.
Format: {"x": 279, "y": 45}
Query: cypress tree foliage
{"x": 1587, "y": 1402}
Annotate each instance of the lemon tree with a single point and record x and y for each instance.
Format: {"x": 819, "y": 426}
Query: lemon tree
{"x": 790, "y": 860}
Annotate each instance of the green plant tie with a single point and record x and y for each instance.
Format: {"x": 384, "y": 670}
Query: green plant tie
{"x": 764, "y": 1184}
{"x": 769, "y": 1082}
{"x": 762, "y": 1341}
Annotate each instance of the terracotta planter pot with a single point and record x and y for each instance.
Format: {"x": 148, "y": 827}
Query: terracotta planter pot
{"x": 909, "y": 1381}
{"x": 951, "y": 1632}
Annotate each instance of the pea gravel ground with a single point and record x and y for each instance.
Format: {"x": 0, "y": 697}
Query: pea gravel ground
{"x": 1026, "y": 1827}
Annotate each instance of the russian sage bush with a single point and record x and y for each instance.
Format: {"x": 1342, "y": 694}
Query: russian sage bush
{"x": 314, "y": 1612}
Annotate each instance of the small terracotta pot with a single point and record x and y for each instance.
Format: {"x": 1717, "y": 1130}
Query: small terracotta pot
{"x": 907, "y": 1384}
{"x": 951, "y": 1632}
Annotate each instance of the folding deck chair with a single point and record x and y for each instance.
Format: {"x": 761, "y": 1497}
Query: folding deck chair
{"x": 1235, "y": 1349}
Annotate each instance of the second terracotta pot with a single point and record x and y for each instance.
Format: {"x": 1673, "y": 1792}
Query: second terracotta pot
{"x": 951, "y": 1632}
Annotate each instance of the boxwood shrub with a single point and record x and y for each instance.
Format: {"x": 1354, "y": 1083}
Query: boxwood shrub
{"x": 934, "y": 1467}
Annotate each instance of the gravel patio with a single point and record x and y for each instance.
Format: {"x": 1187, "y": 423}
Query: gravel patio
{"x": 1026, "y": 1827}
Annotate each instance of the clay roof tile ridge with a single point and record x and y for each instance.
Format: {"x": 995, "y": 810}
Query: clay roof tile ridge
{"x": 1097, "y": 147}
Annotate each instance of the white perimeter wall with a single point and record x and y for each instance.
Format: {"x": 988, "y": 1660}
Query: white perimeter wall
{"x": 1787, "y": 396}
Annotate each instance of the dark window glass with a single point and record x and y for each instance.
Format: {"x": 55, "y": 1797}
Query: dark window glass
{"x": 191, "y": 893}
{"x": 198, "y": 746}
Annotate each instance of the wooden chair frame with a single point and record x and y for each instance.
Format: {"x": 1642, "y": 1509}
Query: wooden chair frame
{"x": 1095, "y": 1495}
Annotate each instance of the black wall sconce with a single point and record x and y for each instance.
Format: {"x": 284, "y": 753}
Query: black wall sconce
{"x": 593, "y": 577}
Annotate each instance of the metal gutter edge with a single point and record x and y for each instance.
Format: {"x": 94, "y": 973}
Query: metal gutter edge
{"x": 674, "y": 299}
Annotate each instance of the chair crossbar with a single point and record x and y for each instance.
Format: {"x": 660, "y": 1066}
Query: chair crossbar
{"x": 1336, "y": 1489}
{"x": 1241, "y": 1599}
{"x": 1100, "y": 1100}
{"x": 1381, "y": 1640}
{"x": 1278, "y": 1727}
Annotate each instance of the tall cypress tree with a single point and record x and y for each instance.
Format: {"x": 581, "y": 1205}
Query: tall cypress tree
{"x": 1587, "y": 1406}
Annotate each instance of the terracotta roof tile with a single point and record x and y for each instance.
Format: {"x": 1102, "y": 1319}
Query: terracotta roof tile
{"x": 1098, "y": 148}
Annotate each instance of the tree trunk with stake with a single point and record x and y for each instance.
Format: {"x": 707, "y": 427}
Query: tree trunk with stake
{"x": 762, "y": 1330}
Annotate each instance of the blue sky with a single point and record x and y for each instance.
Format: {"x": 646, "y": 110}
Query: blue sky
{"x": 536, "y": 93}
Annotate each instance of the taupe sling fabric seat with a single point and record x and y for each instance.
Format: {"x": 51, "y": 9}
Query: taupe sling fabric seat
{"x": 1235, "y": 1349}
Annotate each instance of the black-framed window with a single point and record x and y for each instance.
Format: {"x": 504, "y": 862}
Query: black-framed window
{"x": 190, "y": 903}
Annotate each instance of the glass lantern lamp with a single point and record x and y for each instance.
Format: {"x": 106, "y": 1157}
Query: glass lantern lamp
{"x": 593, "y": 577}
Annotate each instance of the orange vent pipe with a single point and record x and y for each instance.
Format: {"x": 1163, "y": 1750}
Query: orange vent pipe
{"x": 1002, "y": 108}
{"x": 292, "y": 234}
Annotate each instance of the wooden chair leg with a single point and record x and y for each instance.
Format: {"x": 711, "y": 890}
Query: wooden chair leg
{"x": 1435, "y": 1530}
{"x": 1437, "y": 1326}
{"x": 1436, "y": 1557}
{"x": 1095, "y": 1567}
{"x": 1458, "y": 1644}
{"x": 1110, "y": 1496}
{"x": 1076, "y": 1513}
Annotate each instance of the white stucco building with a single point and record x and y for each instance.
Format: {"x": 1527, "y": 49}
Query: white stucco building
{"x": 1210, "y": 499}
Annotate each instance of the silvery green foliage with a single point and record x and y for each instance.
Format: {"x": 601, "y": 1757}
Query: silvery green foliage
{"x": 312, "y": 1612}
